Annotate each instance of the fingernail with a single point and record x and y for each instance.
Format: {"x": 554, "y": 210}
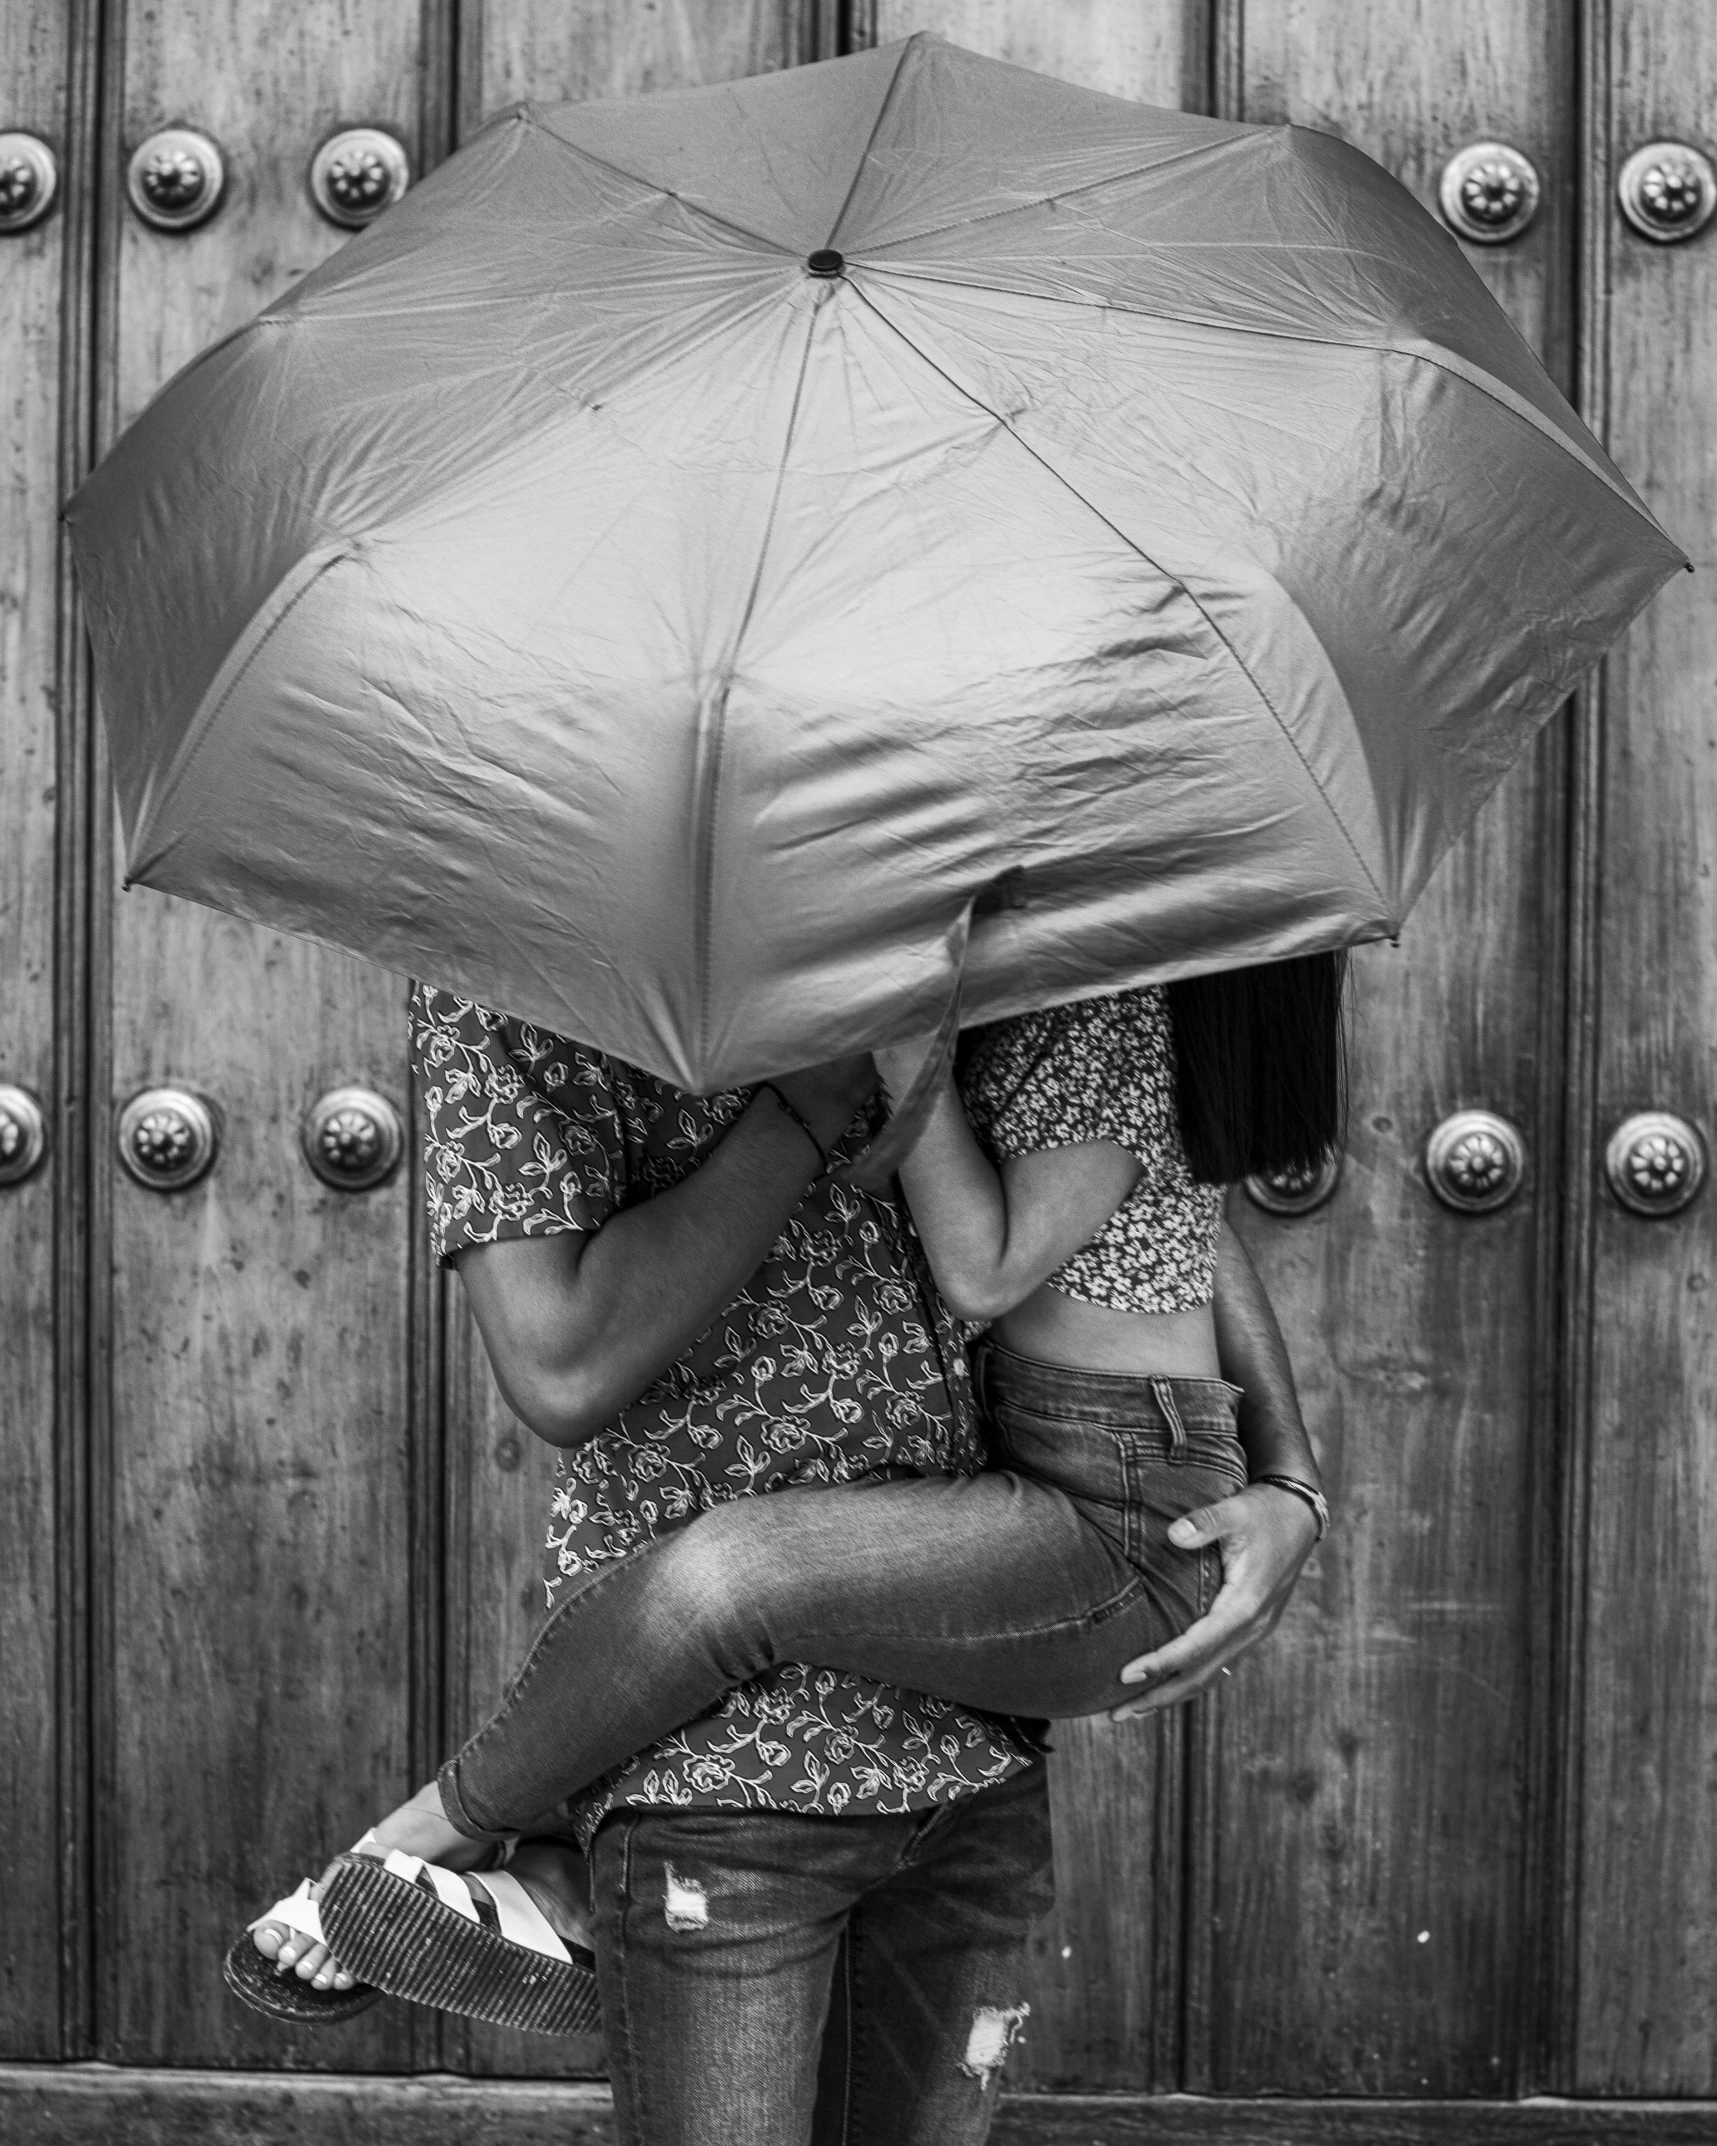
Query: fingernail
{"x": 1183, "y": 1532}
{"x": 1131, "y": 1675}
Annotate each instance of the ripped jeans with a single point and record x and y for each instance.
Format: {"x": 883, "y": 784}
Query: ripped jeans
{"x": 770, "y": 1979}
{"x": 1021, "y": 1590}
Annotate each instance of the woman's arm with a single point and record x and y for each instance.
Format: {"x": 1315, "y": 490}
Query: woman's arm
{"x": 992, "y": 1235}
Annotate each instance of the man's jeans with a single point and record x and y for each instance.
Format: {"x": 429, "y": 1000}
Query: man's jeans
{"x": 1020, "y": 1591}
{"x": 776, "y": 1980}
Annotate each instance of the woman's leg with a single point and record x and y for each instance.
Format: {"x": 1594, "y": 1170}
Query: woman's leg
{"x": 998, "y": 1590}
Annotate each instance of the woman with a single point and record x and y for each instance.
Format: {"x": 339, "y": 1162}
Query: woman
{"x": 1069, "y": 1193}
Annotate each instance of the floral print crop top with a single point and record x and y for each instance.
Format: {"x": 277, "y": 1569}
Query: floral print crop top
{"x": 1103, "y": 1069}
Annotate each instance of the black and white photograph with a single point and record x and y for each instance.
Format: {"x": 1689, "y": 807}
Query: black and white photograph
{"x": 858, "y": 1044}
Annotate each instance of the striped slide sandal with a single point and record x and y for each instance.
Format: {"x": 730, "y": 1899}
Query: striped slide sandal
{"x": 284, "y": 1996}
{"x": 477, "y": 1945}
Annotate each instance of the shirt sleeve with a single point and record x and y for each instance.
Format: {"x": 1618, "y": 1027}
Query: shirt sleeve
{"x": 1102, "y": 1069}
{"x": 522, "y": 1137}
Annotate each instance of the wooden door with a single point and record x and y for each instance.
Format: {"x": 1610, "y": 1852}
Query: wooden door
{"x": 268, "y": 1539}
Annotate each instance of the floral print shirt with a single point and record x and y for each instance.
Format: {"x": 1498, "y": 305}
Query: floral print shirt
{"x": 1103, "y": 1069}
{"x": 837, "y": 1360}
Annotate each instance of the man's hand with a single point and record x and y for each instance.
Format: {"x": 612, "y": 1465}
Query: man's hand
{"x": 1266, "y": 1536}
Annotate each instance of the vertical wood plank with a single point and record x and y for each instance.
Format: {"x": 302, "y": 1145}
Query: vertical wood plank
{"x": 1376, "y": 1770}
{"x": 1151, "y": 50}
{"x": 1648, "y": 1863}
{"x": 259, "y": 1504}
{"x": 499, "y": 1475}
{"x": 37, "y": 1530}
{"x": 1108, "y": 1990}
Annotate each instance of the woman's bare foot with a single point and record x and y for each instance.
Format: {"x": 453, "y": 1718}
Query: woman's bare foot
{"x": 419, "y": 1827}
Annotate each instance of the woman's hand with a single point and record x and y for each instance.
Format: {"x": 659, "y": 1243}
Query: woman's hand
{"x": 1266, "y": 1536}
{"x": 829, "y": 1095}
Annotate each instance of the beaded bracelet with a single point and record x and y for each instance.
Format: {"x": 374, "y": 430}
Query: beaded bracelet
{"x": 798, "y": 1120}
{"x": 1303, "y": 1491}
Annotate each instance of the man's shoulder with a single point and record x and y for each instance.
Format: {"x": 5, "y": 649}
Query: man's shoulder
{"x": 434, "y": 1007}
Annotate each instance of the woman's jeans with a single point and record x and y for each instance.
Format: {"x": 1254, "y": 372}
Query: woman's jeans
{"x": 1022, "y": 1590}
{"x": 770, "y": 1979}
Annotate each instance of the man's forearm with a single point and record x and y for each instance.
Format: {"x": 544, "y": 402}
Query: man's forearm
{"x": 1254, "y": 1357}
{"x": 577, "y": 1327}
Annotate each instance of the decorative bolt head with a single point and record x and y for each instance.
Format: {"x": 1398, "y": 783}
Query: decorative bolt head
{"x": 356, "y": 174}
{"x": 1491, "y": 192}
{"x": 1475, "y": 1161}
{"x": 1655, "y": 1163}
{"x": 18, "y": 187}
{"x": 23, "y": 1134}
{"x": 161, "y": 1141}
{"x": 352, "y": 1138}
{"x": 173, "y": 179}
{"x": 1488, "y": 192}
{"x": 167, "y": 1138}
{"x": 1477, "y": 1164}
{"x": 357, "y": 178}
{"x": 1669, "y": 193}
{"x": 29, "y": 179}
{"x": 1295, "y": 1191}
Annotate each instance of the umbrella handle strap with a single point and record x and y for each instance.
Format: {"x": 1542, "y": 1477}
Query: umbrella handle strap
{"x": 871, "y": 1170}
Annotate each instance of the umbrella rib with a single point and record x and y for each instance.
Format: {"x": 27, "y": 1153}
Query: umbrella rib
{"x": 1132, "y": 545}
{"x": 1445, "y": 361}
{"x": 654, "y": 186}
{"x": 710, "y": 797}
{"x": 907, "y": 50}
{"x": 1070, "y": 193}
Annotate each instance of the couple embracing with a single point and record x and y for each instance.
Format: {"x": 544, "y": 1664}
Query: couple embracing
{"x": 856, "y": 1492}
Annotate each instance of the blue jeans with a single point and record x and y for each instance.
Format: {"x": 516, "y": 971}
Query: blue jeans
{"x": 1020, "y": 1591}
{"x": 775, "y": 1980}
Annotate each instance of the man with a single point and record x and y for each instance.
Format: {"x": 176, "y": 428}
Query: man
{"x": 809, "y": 1907}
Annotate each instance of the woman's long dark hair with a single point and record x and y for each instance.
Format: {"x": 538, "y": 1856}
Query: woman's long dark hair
{"x": 1260, "y": 1066}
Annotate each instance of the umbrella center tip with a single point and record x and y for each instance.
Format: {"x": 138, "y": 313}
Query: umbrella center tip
{"x": 825, "y": 261}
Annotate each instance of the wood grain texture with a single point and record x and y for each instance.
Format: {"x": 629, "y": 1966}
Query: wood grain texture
{"x": 1151, "y": 50}
{"x": 35, "y": 1534}
{"x": 547, "y": 52}
{"x": 259, "y": 1506}
{"x": 1377, "y": 1840}
{"x": 84, "y": 2105}
{"x": 1648, "y": 1869}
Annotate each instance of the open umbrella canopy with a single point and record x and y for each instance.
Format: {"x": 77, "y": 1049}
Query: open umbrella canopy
{"x": 667, "y": 570}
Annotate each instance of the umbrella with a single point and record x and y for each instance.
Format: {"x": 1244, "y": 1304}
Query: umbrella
{"x": 702, "y": 568}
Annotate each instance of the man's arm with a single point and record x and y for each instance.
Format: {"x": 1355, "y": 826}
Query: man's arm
{"x": 1266, "y": 1533}
{"x": 578, "y": 1324}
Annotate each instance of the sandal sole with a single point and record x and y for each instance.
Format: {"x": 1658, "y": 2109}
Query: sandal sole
{"x": 253, "y": 1979}
{"x": 410, "y": 1944}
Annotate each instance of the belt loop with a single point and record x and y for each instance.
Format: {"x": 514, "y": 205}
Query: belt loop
{"x": 1164, "y": 1391}
{"x": 979, "y": 1360}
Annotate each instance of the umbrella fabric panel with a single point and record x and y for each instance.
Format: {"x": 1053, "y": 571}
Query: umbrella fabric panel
{"x": 774, "y": 156}
{"x": 789, "y": 673}
{"x": 408, "y": 359}
{"x": 1486, "y": 574}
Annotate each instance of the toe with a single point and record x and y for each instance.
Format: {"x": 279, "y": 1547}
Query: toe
{"x": 268, "y": 1938}
{"x": 313, "y": 1962}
